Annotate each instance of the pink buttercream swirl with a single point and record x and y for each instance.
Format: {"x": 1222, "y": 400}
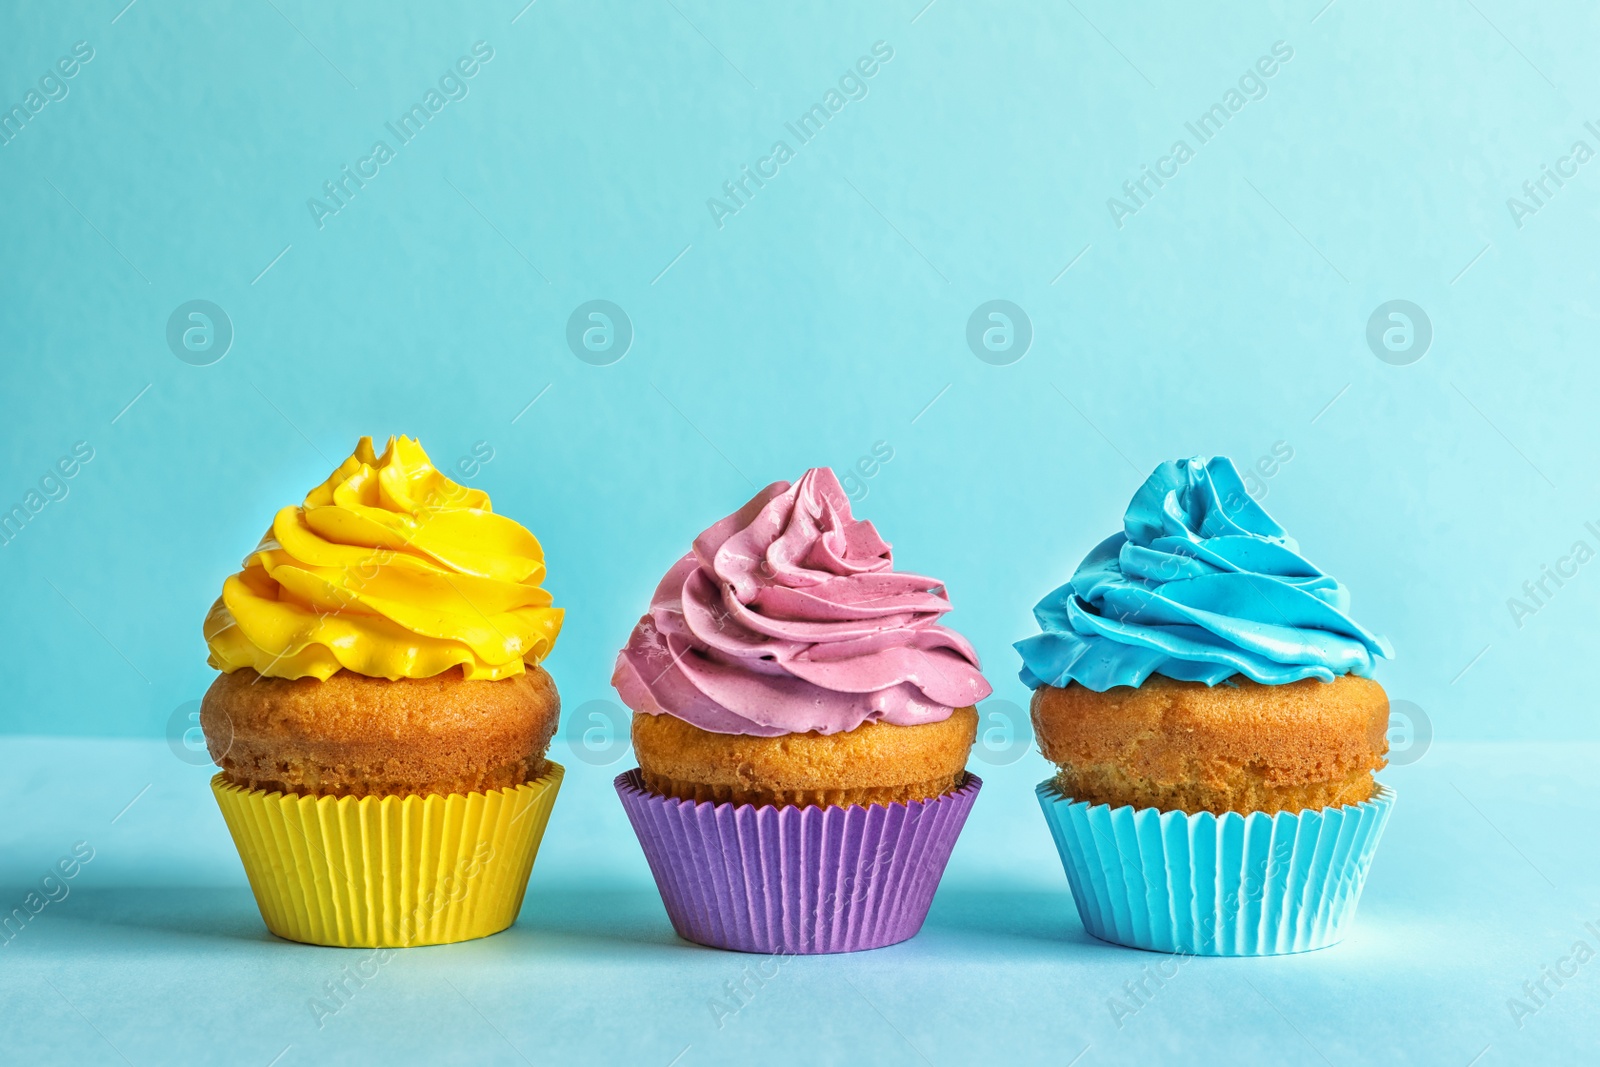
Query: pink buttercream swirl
{"x": 788, "y": 616}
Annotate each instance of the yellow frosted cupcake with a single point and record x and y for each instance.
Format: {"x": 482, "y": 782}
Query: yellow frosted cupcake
{"x": 382, "y": 719}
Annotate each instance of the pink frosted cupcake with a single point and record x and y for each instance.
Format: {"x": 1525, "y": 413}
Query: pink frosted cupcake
{"x": 802, "y": 724}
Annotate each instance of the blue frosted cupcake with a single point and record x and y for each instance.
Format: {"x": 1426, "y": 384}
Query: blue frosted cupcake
{"x": 1207, "y": 699}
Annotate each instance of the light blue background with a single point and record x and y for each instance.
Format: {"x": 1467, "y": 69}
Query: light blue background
{"x": 1224, "y": 317}
{"x": 807, "y": 328}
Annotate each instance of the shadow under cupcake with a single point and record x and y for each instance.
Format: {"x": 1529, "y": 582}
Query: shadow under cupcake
{"x": 802, "y": 725}
{"x": 1205, "y": 696}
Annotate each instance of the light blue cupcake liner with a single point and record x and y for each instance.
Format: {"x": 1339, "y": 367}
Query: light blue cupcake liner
{"x": 1206, "y": 885}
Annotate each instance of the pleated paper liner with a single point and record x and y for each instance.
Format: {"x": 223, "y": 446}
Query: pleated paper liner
{"x": 1231, "y": 885}
{"x": 801, "y": 880}
{"x": 389, "y": 872}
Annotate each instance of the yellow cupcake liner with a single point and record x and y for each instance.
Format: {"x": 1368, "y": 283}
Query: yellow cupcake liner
{"x": 388, "y": 872}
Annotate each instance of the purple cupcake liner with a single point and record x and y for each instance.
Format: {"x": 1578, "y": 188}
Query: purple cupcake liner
{"x": 801, "y": 881}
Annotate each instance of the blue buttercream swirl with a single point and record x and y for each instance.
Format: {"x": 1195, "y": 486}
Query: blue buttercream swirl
{"x": 1200, "y": 585}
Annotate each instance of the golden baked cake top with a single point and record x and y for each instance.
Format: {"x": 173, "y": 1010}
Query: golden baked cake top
{"x": 391, "y": 570}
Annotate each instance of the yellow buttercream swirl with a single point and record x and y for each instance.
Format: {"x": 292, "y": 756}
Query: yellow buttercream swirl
{"x": 391, "y": 570}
